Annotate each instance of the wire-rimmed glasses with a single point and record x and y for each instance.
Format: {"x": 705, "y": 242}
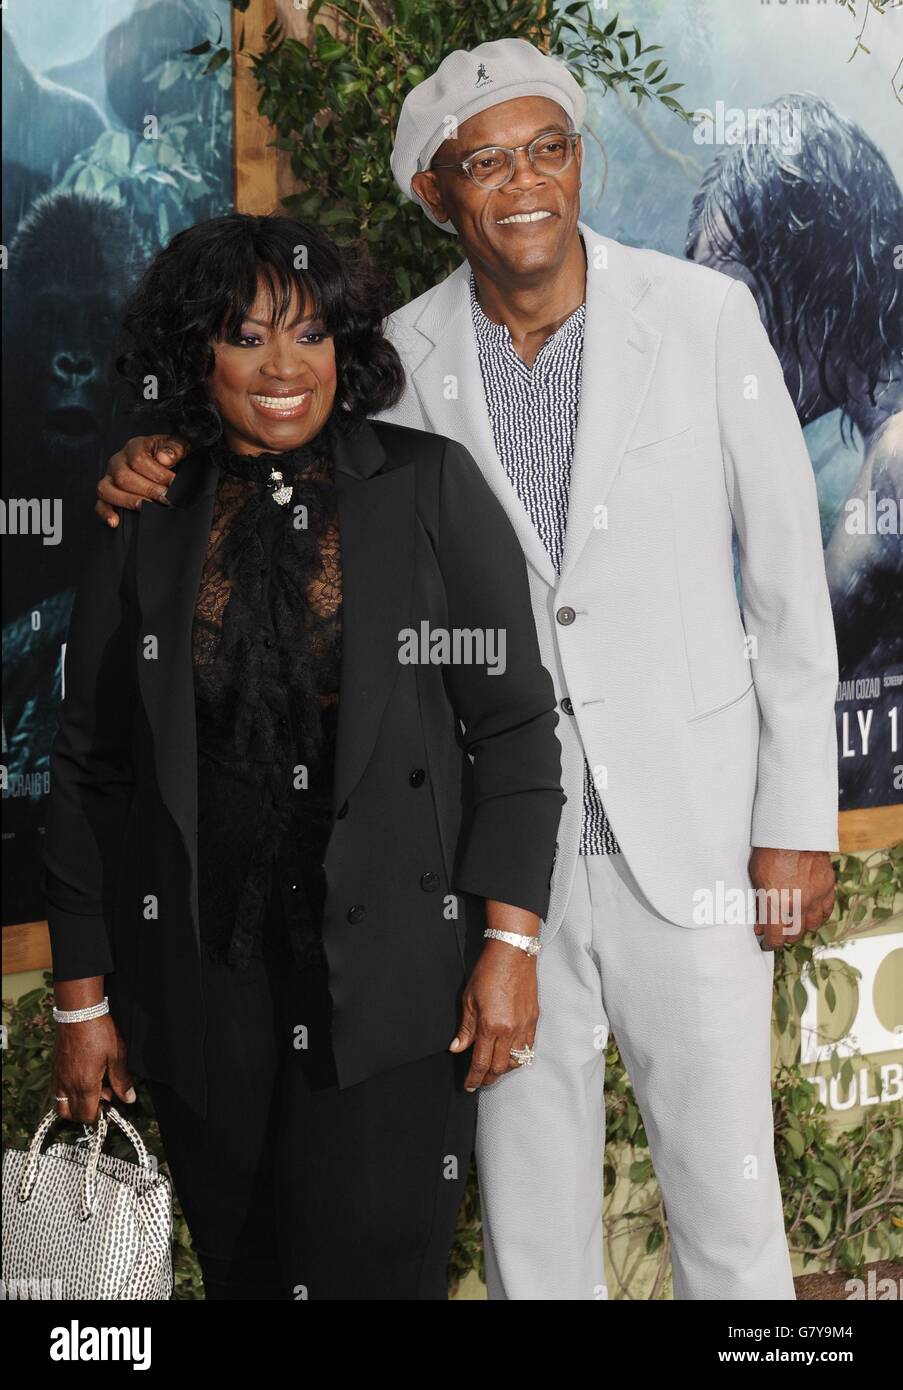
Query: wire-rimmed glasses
{"x": 493, "y": 165}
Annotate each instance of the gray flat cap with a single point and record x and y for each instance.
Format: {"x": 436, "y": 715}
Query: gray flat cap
{"x": 465, "y": 83}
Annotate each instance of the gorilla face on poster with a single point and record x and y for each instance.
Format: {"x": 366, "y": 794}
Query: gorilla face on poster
{"x": 813, "y": 226}
{"x": 70, "y": 265}
{"x": 77, "y": 235}
{"x": 69, "y": 274}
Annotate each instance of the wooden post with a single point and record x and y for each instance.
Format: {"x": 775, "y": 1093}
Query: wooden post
{"x": 261, "y": 175}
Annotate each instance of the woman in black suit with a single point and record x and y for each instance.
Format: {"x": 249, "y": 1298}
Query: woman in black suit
{"x": 306, "y": 754}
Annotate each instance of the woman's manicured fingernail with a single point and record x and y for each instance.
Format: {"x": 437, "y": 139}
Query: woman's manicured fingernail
{"x": 131, "y": 1095}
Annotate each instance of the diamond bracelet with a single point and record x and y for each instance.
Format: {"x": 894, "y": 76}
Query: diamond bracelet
{"x": 81, "y": 1015}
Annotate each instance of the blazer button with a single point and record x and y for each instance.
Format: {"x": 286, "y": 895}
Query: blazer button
{"x": 342, "y": 812}
{"x": 429, "y": 882}
{"x": 417, "y": 777}
{"x": 357, "y": 913}
{"x": 567, "y": 705}
{"x": 565, "y": 616}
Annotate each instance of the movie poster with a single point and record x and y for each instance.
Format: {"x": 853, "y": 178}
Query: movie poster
{"x": 790, "y": 179}
{"x": 114, "y": 137}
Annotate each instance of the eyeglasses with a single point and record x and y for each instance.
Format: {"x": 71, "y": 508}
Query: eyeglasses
{"x": 494, "y": 165}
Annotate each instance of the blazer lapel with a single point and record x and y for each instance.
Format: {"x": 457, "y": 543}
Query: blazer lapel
{"x": 449, "y": 385}
{"x": 377, "y": 526}
{"x": 172, "y": 546}
{"x": 619, "y": 354}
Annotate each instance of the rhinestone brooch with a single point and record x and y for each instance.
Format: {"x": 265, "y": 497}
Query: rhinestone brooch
{"x": 280, "y": 491}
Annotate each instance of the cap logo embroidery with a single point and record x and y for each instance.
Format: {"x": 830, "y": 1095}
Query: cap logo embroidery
{"x": 482, "y": 76}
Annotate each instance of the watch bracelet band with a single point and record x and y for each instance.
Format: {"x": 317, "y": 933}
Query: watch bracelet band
{"x": 529, "y": 944}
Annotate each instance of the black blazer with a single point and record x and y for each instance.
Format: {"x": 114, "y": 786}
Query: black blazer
{"x": 423, "y": 832}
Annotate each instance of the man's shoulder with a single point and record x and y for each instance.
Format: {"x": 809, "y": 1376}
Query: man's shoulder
{"x": 657, "y": 278}
{"x": 402, "y": 325}
{"x": 410, "y": 312}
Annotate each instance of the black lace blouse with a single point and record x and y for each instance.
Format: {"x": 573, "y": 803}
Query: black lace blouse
{"x": 267, "y": 661}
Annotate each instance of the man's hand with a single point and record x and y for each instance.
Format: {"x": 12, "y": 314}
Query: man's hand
{"x": 803, "y": 884}
{"x": 142, "y": 470}
{"x": 500, "y": 1007}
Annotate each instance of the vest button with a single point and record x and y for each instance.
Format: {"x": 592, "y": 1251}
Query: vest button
{"x": 417, "y": 777}
{"x": 356, "y": 914}
{"x": 342, "y": 812}
{"x": 567, "y": 705}
{"x": 429, "y": 882}
{"x": 565, "y": 616}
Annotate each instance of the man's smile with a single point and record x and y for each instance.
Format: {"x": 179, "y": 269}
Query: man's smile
{"x": 520, "y": 219}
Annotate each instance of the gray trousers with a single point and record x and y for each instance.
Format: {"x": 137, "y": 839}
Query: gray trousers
{"x": 690, "y": 1009}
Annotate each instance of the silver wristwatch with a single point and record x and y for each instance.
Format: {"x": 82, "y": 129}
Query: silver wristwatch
{"x": 530, "y": 944}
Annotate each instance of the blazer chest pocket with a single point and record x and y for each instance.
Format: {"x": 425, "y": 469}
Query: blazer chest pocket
{"x": 670, "y": 450}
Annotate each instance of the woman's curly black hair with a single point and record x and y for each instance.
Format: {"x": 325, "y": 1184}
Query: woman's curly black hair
{"x": 199, "y": 289}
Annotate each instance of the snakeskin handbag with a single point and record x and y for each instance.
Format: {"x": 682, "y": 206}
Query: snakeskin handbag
{"x": 78, "y": 1223}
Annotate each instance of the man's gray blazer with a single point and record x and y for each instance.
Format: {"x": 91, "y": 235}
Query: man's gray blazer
{"x": 709, "y": 730}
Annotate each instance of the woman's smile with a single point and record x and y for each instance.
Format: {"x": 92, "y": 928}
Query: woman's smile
{"x": 280, "y": 405}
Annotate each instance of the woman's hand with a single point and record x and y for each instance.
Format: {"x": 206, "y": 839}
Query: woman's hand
{"x": 141, "y": 469}
{"x": 83, "y": 1053}
{"x": 500, "y": 1008}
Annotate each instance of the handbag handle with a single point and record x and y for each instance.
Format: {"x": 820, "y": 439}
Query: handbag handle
{"x": 31, "y": 1166}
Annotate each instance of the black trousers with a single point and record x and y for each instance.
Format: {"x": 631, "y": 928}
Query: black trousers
{"x": 293, "y": 1188}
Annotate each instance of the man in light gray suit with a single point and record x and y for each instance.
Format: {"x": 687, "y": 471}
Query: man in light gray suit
{"x": 701, "y": 738}
{"x": 629, "y": 413}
